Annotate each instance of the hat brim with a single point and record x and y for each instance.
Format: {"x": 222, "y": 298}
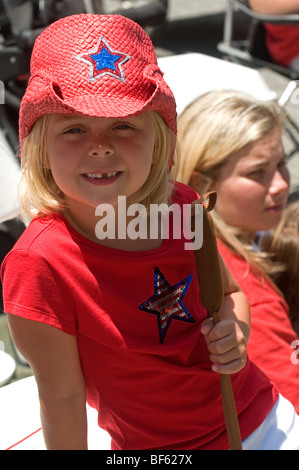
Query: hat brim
{"x": 51, "y": 100}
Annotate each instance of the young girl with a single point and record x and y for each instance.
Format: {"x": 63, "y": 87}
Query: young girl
{"x": 118, "y": 321}
{"x": 231, "y": 143}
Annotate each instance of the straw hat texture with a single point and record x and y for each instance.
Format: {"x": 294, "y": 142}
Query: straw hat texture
{"x": 97, "y": 65}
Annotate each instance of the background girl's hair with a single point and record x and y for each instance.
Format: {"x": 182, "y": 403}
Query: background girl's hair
{"x": 39, "y": 194}
{"x": 219, "y": 123}
{"x": 211, "y": 129}
{"x": 283, "y": 245}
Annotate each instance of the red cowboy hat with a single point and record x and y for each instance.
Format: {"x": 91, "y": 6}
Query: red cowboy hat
{"x": 97, "y": 65}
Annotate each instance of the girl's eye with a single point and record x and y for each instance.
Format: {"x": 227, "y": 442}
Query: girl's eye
{"x": 123, "y": 126}
{"x": 256, "y": 174}
{"x": 74, "y": 130}
{"x": 259, "y": 173}
{"x": 283, "y": 162}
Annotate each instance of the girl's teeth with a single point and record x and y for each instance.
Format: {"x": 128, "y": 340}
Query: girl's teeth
{"x": 101, "y": 175}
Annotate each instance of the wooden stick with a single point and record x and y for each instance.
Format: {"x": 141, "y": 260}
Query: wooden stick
{"x": 211, "y": 293}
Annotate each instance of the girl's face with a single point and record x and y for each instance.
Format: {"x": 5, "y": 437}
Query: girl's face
{"x": 253, "y": 185}
{"x": 94, "y": 160}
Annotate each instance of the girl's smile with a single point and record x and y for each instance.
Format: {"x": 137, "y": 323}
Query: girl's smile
{"x": 98, "y": 177}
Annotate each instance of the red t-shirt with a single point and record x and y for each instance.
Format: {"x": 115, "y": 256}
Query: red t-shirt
{"x": 271, "y": 335}
{"x": 136, "y": 317}
{"x": 282, "y": 42}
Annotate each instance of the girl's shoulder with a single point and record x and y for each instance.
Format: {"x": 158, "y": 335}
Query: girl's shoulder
{"x": 38, "y": 228}
{"x": 183, "y": 194}
{"x": 254, "y": 283}
{"x": 44, "y": 235}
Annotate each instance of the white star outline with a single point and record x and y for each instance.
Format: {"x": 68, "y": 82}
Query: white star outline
{"x": 95, "y": 51}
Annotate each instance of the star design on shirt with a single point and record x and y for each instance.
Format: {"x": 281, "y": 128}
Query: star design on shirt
{"x": 167, "y": 302}
{"x": 103, "y": 60}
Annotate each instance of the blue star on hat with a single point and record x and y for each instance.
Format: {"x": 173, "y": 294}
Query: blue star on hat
{"x": 167, "y": 302}
{"x": 103, "y": 60}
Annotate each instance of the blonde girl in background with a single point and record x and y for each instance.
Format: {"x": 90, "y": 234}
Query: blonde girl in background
{"x": 231, "y": 143}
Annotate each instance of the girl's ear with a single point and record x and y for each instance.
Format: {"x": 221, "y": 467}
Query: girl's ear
{"x": 199, "y": 181}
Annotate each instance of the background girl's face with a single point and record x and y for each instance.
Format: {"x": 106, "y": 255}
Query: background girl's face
{"x": 253, "y": 185}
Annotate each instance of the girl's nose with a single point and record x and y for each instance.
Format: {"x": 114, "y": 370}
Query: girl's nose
{"x": 280, "y": 182}
{"x": 100, "y": 147}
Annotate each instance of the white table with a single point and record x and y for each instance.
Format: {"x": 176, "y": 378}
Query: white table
{"x": 190, "y": 75}
{"x": 20, "y": 427}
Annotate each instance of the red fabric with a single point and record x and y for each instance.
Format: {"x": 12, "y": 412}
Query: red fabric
{"x": 150, "y": 394}
{"x": 96, "y": 65}
{"x": 271, "y": 334}
{"x": 282, "y": 42}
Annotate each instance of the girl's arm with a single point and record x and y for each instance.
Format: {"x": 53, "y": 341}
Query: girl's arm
{"x": 275, "y": 7}
{"x": 53, "y": 356}
{"x": 227, "y": 339}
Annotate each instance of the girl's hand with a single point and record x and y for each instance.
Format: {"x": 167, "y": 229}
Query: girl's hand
{"x": 226, "y": 344}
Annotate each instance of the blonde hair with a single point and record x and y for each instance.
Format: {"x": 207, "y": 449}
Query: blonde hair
{"x": 39, "y": 194}
{"x": 211, "y": 129}
{"x": 283, "y": 245}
